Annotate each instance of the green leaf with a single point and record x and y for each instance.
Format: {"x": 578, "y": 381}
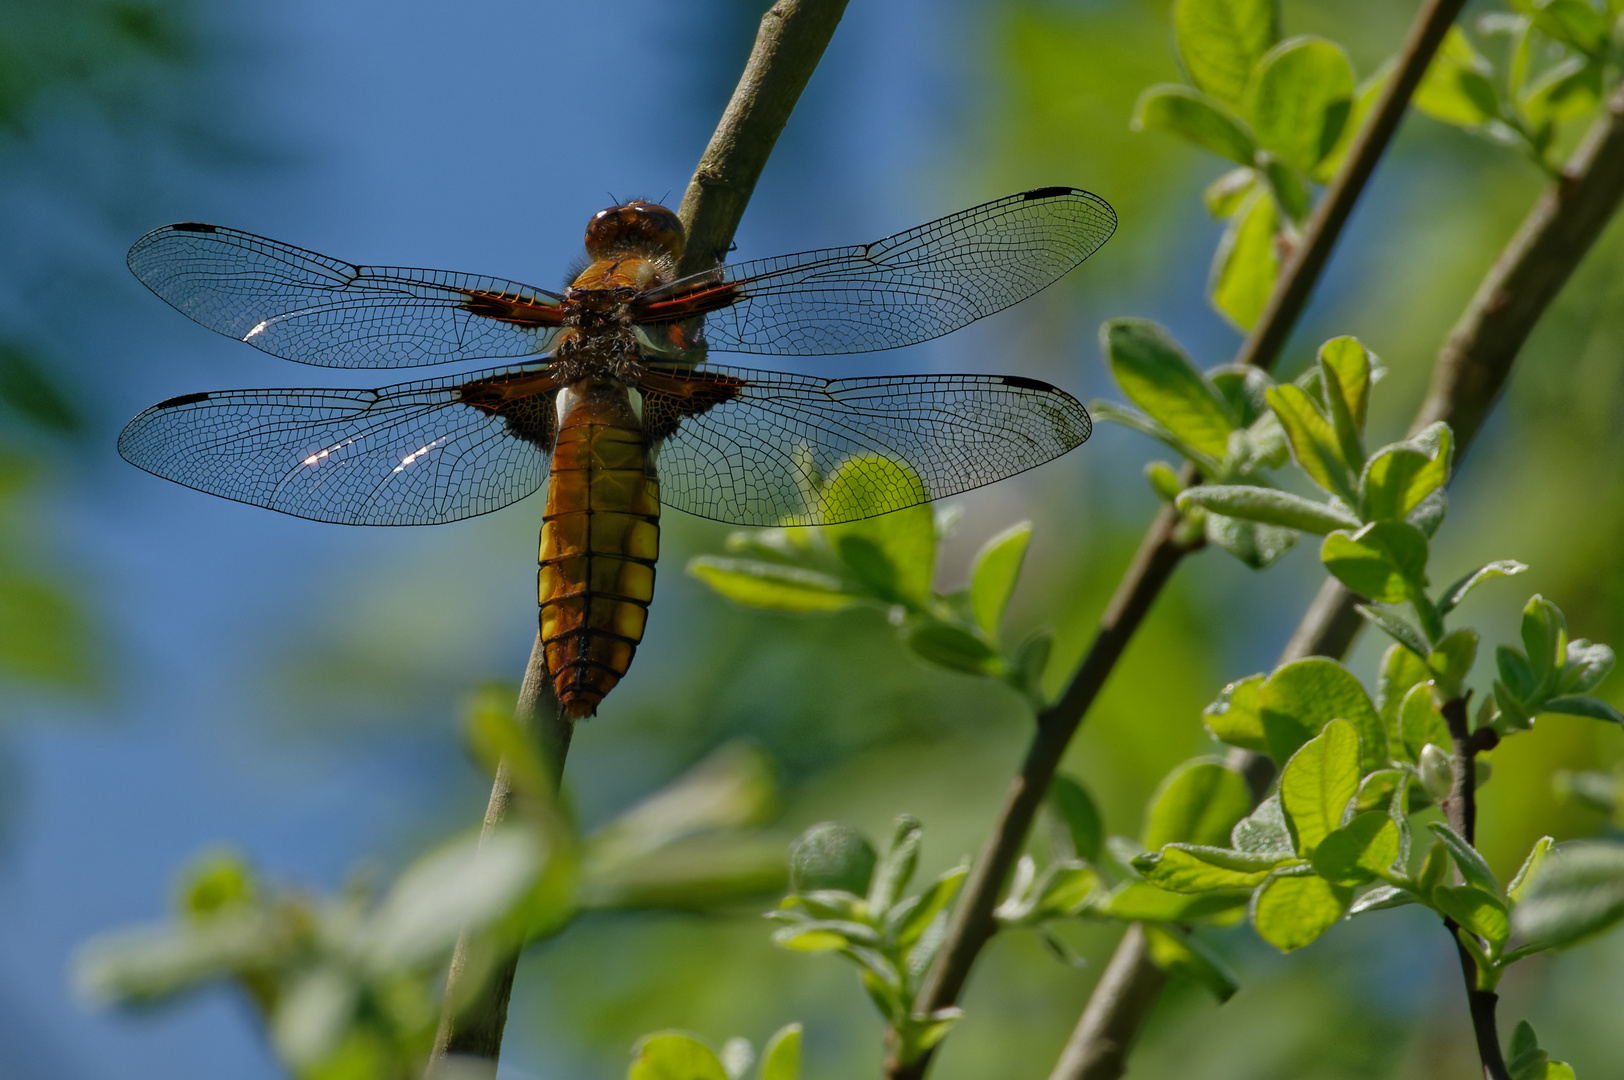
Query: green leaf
{"x": 905, "y": 538}
{"x": 1471, "y": 864}
{"x": 1301, "y": 697}
{"x": 1157, "y": 376}
{"x": 1457, "y": 591}
{"x": 768, "y": 585}
{"x": 1364, "y": 848}
{"x": 1583, "y": 705}
{"x": 945, "y": 645}
{"x": 1184, "y": 956}
{"x": 896, "y": 867}
{"x": 1567, "y": 91}
{"x": 1193, "y": 115}
{"x": 1364, "y": 99}
{"x": 1574, "y": 23}
{"x": 1348, "y": 369}
{"x": 1255, "y": 545}
{"x": 1163, "y": 480}
{"x": 1264, "y": 831}
{"x": 1575, "y": 893}
{"x": 1536, "y": 858}
{"x": 1292, "y": 909}
{"x": 1385, "y": 561}
{"x": 923, "y": 910}
{"x": 1400, "y": 670}
{"x": 1220, "y": 41}
{"x": 1194, "y": 868}
{"x": 993, "y": 574}
{"x": 1313, "y": 441}
{"x": 217, "y": 881}
{"x": 674, "y": 1055}
{"x": 1451, "y": 662}
{"x": 1139, "y": 901}
{"x": 1198, "y": 803}
{"x": 1381, "y": 898}
{"x": 1268, "y": 506}
{"x": 781, "y": 1060}
{"x": 1224, "y": 195}
{"x": 1396, "y": 627}
{"x": 1478, "y": 912}
{"x": 831, "y": 855}
{"x": 1072, "y": 804}
{"x": 1246, "y": 264}
{"x": 1317, "y": 784}
{"x": 1236, "y": 717}
{"x": 1401, "y": 475}
{"x": 495, "y": 737}
{"x": 1135, "y": 420}
{"x": 1420, "y": 722}
{"x": 1515, "y": 672}
{"x": 1545, "y": 642}
{"x": 1585, "y": 666}
{"x": 1299, "y": 99}
{"x": 1456, "y": 88}
{"x": 25, "y": 387}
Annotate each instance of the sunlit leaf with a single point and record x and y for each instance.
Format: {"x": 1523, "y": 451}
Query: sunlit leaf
{"x": 1314, "y": 444}
{"x": 1456, "y": 88}
{"x": 781, "y": 1060}
{"x": 1299, "y": 99}
{"x": 1220, "y": 41}
{"x": 1194, "y": 868}
{"x": 1072, "y": 804}
{"x": 1364, "y": 848}
{"x": 993, "y": 574}
{"x": 1291, "y": 910}
{"x": 1195, "y": 116}
{"x": 1157, "y": 376}
{"x": 1198, "y": 803}
{"x": 1236, "y": 717}
{"x": 1269, "y": 506}
{"x": 1301, "y": 697}
{"x": 1186, "y": 957}
{"x": 1477, "y": 911}
{"x": 1246, "y": 264}
{"x": 1385, "y": 560}
{"x": 674, "y": 1055}
{"x": 1318, "y": 783}
{"x": 1472, "y": 866}
{"x": 767, "y": 585}
{"x": 1575, "y": 893}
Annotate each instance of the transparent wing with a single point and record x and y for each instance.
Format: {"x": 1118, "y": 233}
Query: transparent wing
{"x": 904, "y": 289}
{"x": 752, "y": 447}
{"x": 414, "y": 454}
{"x": 307, "y": 307}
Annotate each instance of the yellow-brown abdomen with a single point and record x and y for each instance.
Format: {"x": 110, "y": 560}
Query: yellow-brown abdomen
{"x": 600, "y": 536}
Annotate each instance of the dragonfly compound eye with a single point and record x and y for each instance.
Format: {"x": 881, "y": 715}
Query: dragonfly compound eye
{"x": 637, "y": 225}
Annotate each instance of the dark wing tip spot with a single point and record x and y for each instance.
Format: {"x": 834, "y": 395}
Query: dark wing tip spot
{"x": 1023, "y": 382}
{"x": 1046, "y": 193}
{"x": 193, "y": 226}
{"x": 183, "y": 399}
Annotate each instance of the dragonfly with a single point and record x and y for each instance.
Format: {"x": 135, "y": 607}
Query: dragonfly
{"x": 613, "y": 404}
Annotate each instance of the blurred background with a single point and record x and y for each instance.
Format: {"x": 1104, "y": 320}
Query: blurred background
{"x": 179, "y": 672}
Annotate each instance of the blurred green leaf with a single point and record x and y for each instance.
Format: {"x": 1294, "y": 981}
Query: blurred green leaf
{"x": 1224, "y": 195}
{"x": 948, "y": 646}
{"x": 496, "y": 737}
{"x": 1301, "y": 697}
{"x": 1400, "y": 670}
{"x": 1163, "y": 480}
{"x": 1318, "y": 783}
{"x": 1290, "y": 192}
{"x": 758, "y": 584}
{"x": 1364, "y": 99}
{"x": 26, "y": 387}
{"x": 1456, "y": 88}
{"x": 1585, "y": 666}
{"x": 1451, "y": 661}
{"x": 924, "y": 909}
{"x": 1299, "y": 98}
{"x": 1195, "y": 116}
{"x": 1575, "y": 893}
{"x": 1420, "y": 722}
{"x": 1236, "y": 717}
{"x": 1071, "y": 803}
{"x": 1381, "y": 898}
{"x": 1314, "y": 443}
{"x": 1569, "y": 90}
{"x": 311, "y": 1022}
{"x": 906, "y": 539}
{"x": 1468, "y": 861}
{"x": 832, "y": 855}
{"x": 1247, "y": 262}
{"x": 1291, "y": 910}
{"x": 1268, "y": 506}
{"x": 781, "y": 1060}
{"x": 1575, "y": 23}
{"x": 1583, "y": 705}
{"x": 1457, "y": 592}
{"x": 1396, "y": 627}
{"x": 1478, "y": 912}
{"x": 674, "y": 1055}
{"x": 1365, "y": 848}
{"x": 993, "y": 574}
{"x": 1195, "y": 868}
{"x": 1157, "y": 376}
{"x": 1220, "y": 41}
{"x": 1398, "y": 477}
{"x": 44, "y": 637}
{"x": 896, "y": 866}
{"x": 1135, "y": 420}
{"x": 1199, "y": 802}
{"x": 1140, "y": 901}
{"x": 1545, "y": 643}
{"x": 217, "y": 881}
{"x": 732, "y": 788}
{"x": 1185, "y": 957}
{"x": 1385, "y": 560}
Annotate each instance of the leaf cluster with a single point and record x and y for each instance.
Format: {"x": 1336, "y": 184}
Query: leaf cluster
{"x": 348, "y": 985}
{"x": 677, "y": 1055}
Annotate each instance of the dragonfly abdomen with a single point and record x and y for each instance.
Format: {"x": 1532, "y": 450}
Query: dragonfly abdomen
{"x": 600, "y": 537}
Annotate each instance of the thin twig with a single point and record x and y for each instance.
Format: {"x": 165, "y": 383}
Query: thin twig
{"x": 789, "y": 43}
{"x": 1470, "y": 372}
{"x": 1162, "y": 549}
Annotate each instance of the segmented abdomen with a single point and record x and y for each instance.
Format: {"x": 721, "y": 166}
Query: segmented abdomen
{"x": 600, "y": 536}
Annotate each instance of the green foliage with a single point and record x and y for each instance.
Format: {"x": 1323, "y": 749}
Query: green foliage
{"x": 891, "y": 937}
{"x": 348, "y": 985}
{"x": 677, "y": 1055}
{"x": 888, "y": 563}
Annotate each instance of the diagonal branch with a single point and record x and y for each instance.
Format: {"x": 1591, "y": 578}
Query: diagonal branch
{"x": 1470, "y": 373}
{"x": 789, "y": 44}
{"x": 1162, "y": 549}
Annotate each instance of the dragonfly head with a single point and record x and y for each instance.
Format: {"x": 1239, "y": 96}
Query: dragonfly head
{"x": 636, "y": 226}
